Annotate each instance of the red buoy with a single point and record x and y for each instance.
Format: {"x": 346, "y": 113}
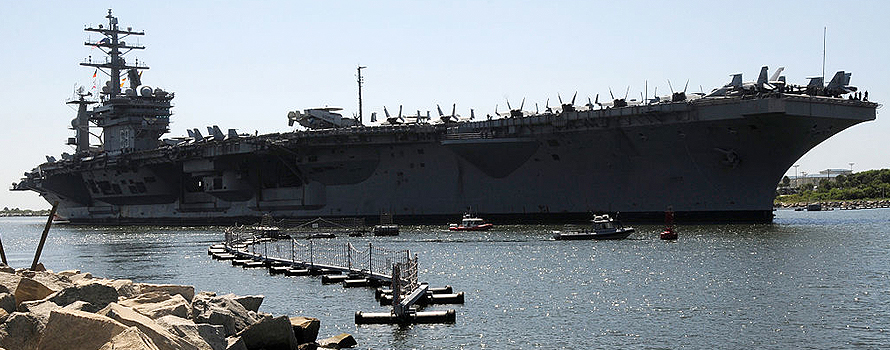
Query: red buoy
{"x": 668, "y": 233}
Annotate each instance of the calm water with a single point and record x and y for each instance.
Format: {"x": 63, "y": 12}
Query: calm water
{"x": 810, "y": 280}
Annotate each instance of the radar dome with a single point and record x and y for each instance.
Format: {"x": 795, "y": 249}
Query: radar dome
{"x": 145, "y": 90}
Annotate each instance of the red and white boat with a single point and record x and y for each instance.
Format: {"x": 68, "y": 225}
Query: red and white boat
{"x": 470, "y": 223}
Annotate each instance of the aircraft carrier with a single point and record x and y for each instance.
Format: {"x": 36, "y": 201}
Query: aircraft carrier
{"x": 713, "y": 157}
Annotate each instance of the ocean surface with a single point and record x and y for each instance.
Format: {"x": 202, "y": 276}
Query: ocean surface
{"x": 810, "y": 280}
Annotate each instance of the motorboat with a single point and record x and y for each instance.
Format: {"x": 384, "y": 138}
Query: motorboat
{"x": 602, "y": 227}
{"x": 470, "y": 223}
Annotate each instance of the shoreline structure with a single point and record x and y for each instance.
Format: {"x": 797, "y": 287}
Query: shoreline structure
{"x": 40, "y": 309}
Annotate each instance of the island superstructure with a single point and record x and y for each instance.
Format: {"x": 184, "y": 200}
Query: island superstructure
{"x": 713, "y": 157}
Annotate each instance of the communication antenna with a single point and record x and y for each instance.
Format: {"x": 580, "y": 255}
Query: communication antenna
{"x": 824, "y": 33}
{"x": 360, "y": 81}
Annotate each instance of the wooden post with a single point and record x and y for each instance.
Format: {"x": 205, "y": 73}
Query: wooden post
{"x": 397, "y": 291}
{"x": 3, "y": 254}
{"x": 348, "y": 256}
{"x": 49, "y": 222}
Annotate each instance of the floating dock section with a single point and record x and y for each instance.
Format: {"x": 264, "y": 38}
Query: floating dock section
{"x": 349, "y": 266}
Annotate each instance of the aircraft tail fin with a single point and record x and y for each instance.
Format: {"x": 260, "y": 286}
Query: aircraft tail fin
{"x": 837, "y": 81}
{"x": 777, "y": 74}
{"x": 762, "y": 79}
{"x": 736, "y": 80}
{"x": 816, "y": 82}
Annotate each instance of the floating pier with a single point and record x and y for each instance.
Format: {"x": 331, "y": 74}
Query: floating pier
{"x": 444, "y": 316}
{"x": 349, "y": 266}
{"x": 430, "y": 299}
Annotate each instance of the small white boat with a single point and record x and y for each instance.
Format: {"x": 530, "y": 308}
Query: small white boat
{"x": 602, "y": 227}
{"x": 470, "y": 223}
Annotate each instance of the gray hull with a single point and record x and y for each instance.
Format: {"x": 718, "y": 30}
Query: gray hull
{"x": 709, "y": 160}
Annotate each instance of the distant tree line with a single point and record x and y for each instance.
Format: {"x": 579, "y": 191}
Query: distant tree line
{"x": 871, "y": 184}
{"x": 23, "y": 212}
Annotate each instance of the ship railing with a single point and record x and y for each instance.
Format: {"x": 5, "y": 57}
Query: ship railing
{"x": 466, "y": 136}
{"x": 372, "y": 261}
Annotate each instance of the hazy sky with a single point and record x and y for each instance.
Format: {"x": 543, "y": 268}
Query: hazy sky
{"x": 245, "y": 64}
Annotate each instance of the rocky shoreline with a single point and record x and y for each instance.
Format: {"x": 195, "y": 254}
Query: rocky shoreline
{"x": 43, "y": 310}
{"x": 843, "y": 205}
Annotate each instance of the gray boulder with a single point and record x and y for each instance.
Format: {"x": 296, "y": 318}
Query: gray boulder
{"x": 87, "y": 330}
{"x": 53, "y": 281}
{"x": 125, "y": 288}
{"x": 130, "y": 339}
{"x": 204, "y": 336}
{"x": 9, "y": 282}
{"x": 159, "y": 304}
{"x": 21, "y": 331}
{"x": 68, "y": 273}
{"x": 81, "y": 278}
{"x": 159, "y": 335}
{"x": 308, "y": 346}
{"x": 98, "y": 295}
{"x": 80, "y": 306}
{"x": 7, "y": 302}
{"x": 250, "y": 302}
{"x": 31, "y": 289}
{"x": 270, "y": 334}
{"x": 221, "y": 311}
{"x": 39, "y": 308}
{"x": 235, "y": 343}
{"x": 343, "y": 340}
{"x": 305, "y": 328}
{"x": 187, "y": 292}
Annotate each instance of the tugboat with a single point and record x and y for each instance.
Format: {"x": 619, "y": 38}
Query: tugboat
{"x": 470, "y": 223}
{"x": 602, "y": 227}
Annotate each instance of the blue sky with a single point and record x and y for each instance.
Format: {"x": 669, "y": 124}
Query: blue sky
{"x": 245, "y": 64}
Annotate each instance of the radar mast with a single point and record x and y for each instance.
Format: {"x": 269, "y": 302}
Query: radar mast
{"x": 133, "y": 119}
{"x": 115, "y": 48}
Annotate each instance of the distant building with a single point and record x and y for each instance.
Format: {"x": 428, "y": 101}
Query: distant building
{"x": 827, "y": 174}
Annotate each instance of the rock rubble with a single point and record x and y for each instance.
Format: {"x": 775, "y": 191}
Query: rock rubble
{"x": 42, "y": 310}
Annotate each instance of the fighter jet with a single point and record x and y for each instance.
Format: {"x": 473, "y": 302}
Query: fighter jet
{"x": 763, "y": 83}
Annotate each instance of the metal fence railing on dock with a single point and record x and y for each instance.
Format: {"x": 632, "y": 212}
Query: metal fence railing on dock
{"x": 371, "y": 260}
{"x": 369, "y": 265}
